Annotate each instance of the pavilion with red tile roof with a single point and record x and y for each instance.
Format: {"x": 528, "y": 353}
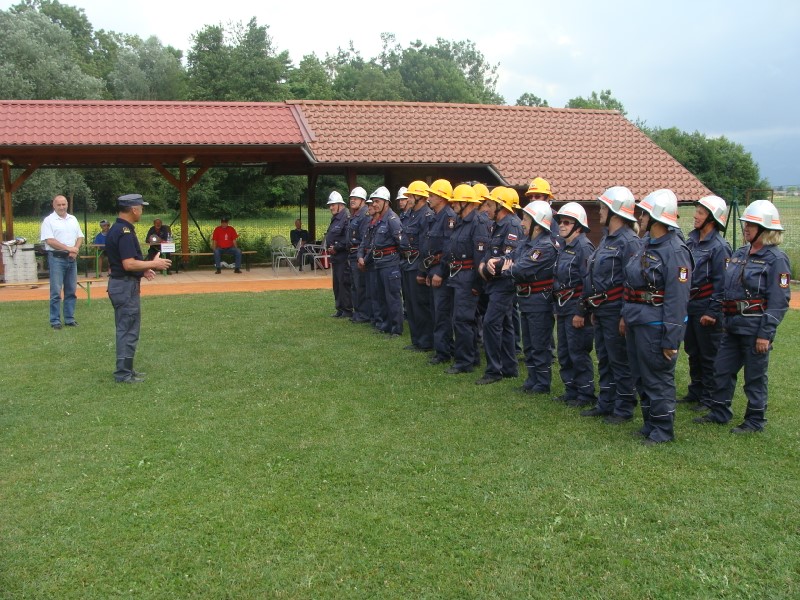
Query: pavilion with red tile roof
{"x": 581, "y": 152}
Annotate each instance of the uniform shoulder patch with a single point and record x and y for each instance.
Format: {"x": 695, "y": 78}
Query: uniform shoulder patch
{"x": 451, "y": 223}
{"x": 683, "y": 274}
{"x": 535, "y": 255}
{"x": 783, "y": 280}
{"x": 481, "y": 247}
{"x": 512, "y": 237}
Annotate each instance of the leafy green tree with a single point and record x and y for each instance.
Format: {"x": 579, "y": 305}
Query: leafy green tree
{"x": 723, "y": 166}
{"x": 239, "y": 64}
{"x": 602, "y": 101}
{"x": 147, "y": 70}
{"x": 35, "y": 197}
{"x": 310, "y": 80}
{"x": 36, "y": 60}
{"x": 529, "y": 99}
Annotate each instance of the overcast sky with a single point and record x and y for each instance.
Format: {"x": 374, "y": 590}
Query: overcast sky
{"x": 719, "y": 67}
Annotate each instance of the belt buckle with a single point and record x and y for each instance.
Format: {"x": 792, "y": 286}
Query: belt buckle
{"x": 377, "y": 254}
{"x": 523, "y": 295}
{"x": 562, "y": 299}
{"x": 593, "y": 300}
{"x": 428, "y": 261}
{"x": 455, "y": 270}
{"x": 745, "y": 305}
{"x": 410, "y": 254}
{"x": 655, "y": 299}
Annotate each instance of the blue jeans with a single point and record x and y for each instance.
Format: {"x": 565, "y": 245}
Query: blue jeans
{"x": 234, "y": 251}
{"x": 63, "y": 273}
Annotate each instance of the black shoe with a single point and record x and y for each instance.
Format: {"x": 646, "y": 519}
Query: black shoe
{"x": 337, "y": 314}
{"x": 578, "y": 403}
{"x": 71, "y": 324}
{"x": 616, "y": 420}
{"x": 510, "y": 376}
{"x": 706, "y": 419}
{"x": 437, "y": 360}
{"x": 410, "y": 347}
{"x": 487, "y": 379}
{"x": 648, "y": 441}
{"x": 56, "y": 326}
{"x": 132, "y": 379}
{"x": 218, "y": 271}
{"x": 699, "y": 407}
{"x": 457, "y": 370}
{"x": 562, "y": 398}
{"x": 539, "y": 390}
{"x": 639, "y": 434}
{"x": 237, "y": 270}
{"x": 745, "y": 428}
{"x": 593, "y": 412}
{"x": 393, "y": 335}
{"x": 687, "y": 399}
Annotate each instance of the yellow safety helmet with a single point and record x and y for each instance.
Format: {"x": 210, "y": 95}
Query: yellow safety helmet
{"x": 505, "y": 197}
{"x": 418, "y": 188}
{"x": 443, "y": 188}
{"x": 481, "y": 191}
{"x": 513, "y": 197}
{"x": 539, "y": 186}
{"x": 465, "y": 193}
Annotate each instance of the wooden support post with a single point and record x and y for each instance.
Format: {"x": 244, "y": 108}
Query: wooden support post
{"x": 183, "y": 184}
{"x": 9, "y": 187}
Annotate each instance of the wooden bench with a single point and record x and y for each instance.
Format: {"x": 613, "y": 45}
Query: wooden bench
{"x": 84, "y": 284}
{"x": 246, "y": 254}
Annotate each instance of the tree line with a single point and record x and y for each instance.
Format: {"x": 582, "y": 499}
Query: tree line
{"x": 50, "y": 50}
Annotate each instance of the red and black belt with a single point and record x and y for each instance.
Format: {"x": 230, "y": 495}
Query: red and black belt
{"x": 703, "y": 291}
{"x": 749, "y": 307}
{"x": 381, "y": 252}
{"x": 644, "y": 296}
{"x": 564, "y": 295}
{"x": 354, "y": 247}
{"x": 534, "y": 287}
{"x": 609, "y": 295}
{"x": 458, "y": 265}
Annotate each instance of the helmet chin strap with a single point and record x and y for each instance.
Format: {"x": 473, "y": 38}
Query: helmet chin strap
{"x": 650, "y": 222}
{"x": 758, "y": 235}
{"x": 608, "y": 217}
{"x": 571, "y": 231}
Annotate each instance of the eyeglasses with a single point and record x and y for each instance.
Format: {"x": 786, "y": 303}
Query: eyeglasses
{"x": 538, "y": 196}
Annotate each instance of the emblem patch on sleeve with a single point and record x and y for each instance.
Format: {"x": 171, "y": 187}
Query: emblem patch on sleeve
{"x": 683, "y": 274}
{"x": 783, "y": 280}
{"x": 512, "y": 237}
{"x": 480, "y": 247}
{"x": 451, "y": 223}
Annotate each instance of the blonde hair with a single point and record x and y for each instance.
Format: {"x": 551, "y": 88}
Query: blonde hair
{"x": 771, "y": 237}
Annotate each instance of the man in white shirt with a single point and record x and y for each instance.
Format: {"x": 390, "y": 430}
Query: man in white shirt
{"x": 62, "y": 237}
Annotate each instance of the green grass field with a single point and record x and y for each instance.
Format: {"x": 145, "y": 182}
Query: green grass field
{"x": 275, "y": 452}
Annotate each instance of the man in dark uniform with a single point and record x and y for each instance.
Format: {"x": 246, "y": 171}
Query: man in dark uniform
{"x": 338, "y": 247}
{"x": 356, "y": 230}
{"x": 498, "y": 329}
{"x": 416, "y": 293}
{"x": 441, "y": 229}
{"x": 127, "y": 270}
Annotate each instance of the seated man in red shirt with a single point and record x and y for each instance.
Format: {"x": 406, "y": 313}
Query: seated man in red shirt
{"x": 223, "y": 241}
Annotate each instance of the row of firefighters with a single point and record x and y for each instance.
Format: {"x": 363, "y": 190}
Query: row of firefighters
{"x": 461, "y": 267}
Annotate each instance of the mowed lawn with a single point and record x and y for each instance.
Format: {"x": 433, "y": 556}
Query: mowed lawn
{"x": 275, "y": 452}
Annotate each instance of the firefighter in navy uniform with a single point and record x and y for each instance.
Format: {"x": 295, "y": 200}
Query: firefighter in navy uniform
{"x": 657, "y": 282}
{"x": 756, "y": 298}
{"x": 530, "y": 268}
{"x": 462, "y": 254}
{"x": 416, "y": 293}
{"x": 602, "y": 297}
{"x": 498, "y": 330}
{"x": 367, "y": 266}
{"x": 444, "y": 221}
{"x": 356, "y": 230}
{"x": 575, "y": 331}
{"x": 338, "y": 247}
{"x": 710, "y": 254}
{"x": 385, "y": 251}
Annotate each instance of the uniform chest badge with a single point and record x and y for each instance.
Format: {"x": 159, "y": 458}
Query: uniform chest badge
{"x": 480, "y": 247}
{"x": 783, "y": 280}
{"x": 125, "y": 230}
{"x": 535, "y": 255}
{"x": 683, "y": 274}
{"x": 508, "y": 250}
{"x": 451, "y": 223}
{"x": 512, "y": 237}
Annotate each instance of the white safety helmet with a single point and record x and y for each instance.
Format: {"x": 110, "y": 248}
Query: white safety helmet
{"x": 401, "y": 193}
{"x": 335, "y": 198}
{"x": 662, "y": 206}
{"x": 540, "y": 212}
{"x": 619, "y": 201}
{"x": 382, "y": 193}
{"x": 573, "y": 210}
{"x": 358, "y": 192}
{"x": 764, "y": 213}
{"x": 717, "y": 207}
